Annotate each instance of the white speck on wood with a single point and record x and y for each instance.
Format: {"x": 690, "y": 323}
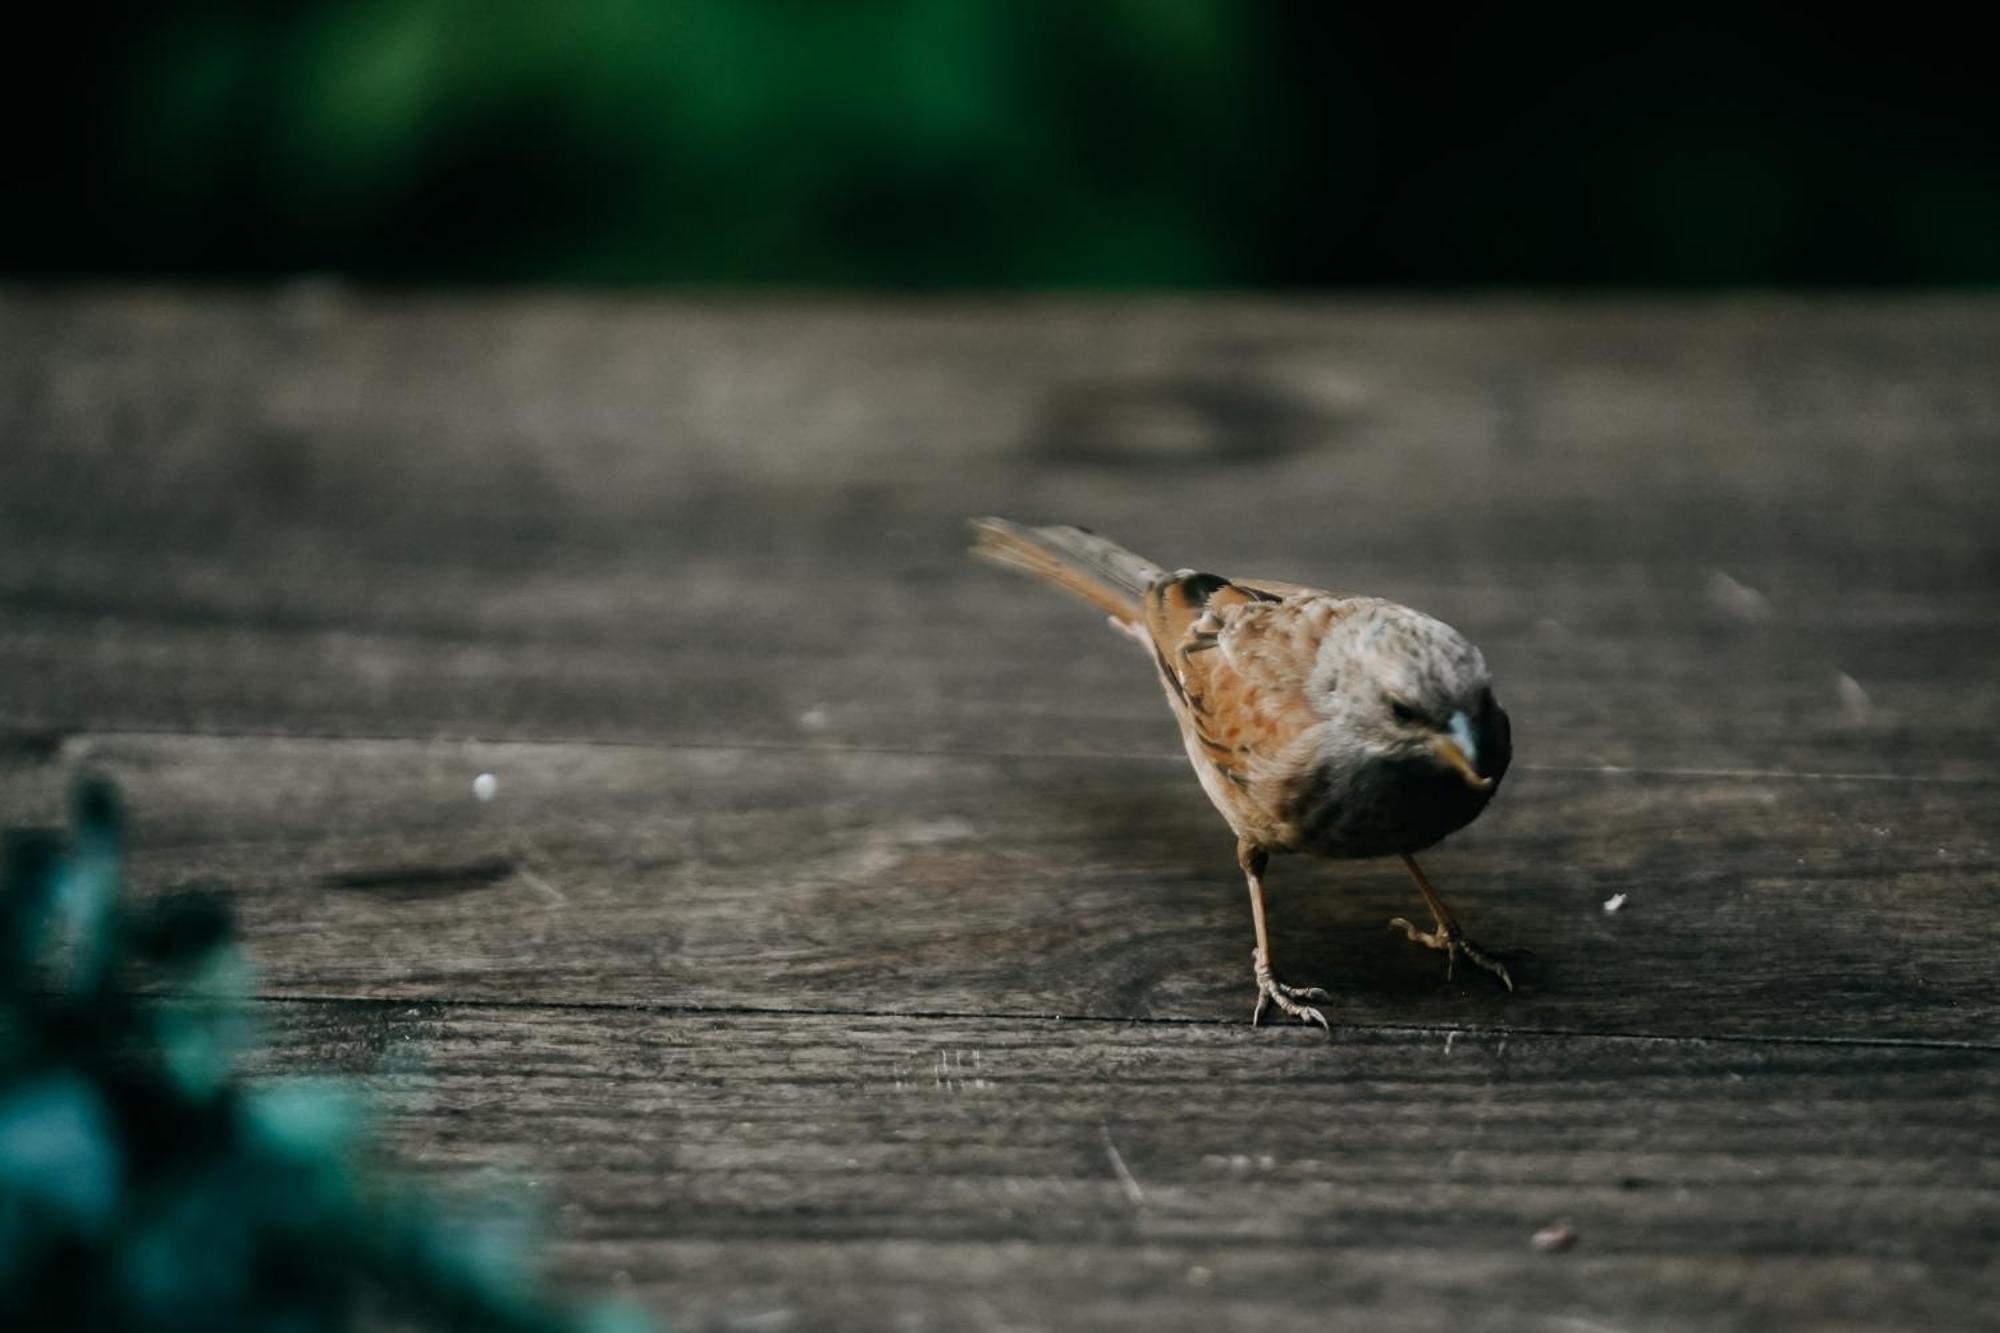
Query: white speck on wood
{"x": 1855, "y": 705}
{"x": 937, "y": 830}
{"x": 1614, "y": 902}
{"x": 1737, "y": 599}
{"x": 485, "y": 786}
{"x": 1554, "y": 1238}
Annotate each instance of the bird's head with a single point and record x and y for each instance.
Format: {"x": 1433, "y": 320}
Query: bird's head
{"x": 1413, "y": 691}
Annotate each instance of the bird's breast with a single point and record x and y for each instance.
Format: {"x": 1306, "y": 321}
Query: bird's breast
{"x": 1378, "y": 807}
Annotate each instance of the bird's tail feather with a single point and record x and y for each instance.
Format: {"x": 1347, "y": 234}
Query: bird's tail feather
{"x": 1101, "y": 572}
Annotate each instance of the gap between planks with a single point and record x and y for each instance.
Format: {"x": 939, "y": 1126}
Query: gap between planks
{"x": 53, "y": 739}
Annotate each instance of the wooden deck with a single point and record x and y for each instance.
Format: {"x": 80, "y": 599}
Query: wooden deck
{"x": 845, "y": 945}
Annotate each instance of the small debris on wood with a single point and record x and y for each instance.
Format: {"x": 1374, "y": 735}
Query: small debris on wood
{"x": 1738, "y": 600}
{"x": 1554, "y": 1238}
{"x": 1614, "y": 902}
{"x": 485, "y": 786}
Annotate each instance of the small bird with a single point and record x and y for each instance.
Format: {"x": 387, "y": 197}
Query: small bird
{"x": 1317, "y": 722}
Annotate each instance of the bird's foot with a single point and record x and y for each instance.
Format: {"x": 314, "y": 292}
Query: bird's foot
{"x": 1290, "y": 999}
{"x": 1450, "y": 941}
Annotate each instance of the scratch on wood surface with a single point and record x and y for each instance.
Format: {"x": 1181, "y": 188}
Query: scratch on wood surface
{"x": 989, "y": 1317}
{"x": 1126, "y": 1180}
{"x": 948, "y": 1073}
{"x": 540, "y": 885}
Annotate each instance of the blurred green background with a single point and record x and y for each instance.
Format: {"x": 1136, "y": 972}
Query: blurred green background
{"x": 927, "y": 143}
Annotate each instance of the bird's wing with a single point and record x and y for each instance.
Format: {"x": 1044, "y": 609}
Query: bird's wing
{"x": 1236, "y": 659}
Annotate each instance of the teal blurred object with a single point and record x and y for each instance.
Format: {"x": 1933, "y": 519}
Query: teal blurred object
{"x": 144, "y": 1185}
{"x": 1002, "y": 143}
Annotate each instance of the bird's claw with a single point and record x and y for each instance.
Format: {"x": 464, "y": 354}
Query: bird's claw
{"x": 1451, "y": 942}
{"x": 1289, "y": 999}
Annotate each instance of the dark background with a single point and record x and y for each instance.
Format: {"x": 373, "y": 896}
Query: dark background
{"x": 927, "y": 143}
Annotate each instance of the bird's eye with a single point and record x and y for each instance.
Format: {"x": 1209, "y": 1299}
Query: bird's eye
{"x": 1404, "y": 713}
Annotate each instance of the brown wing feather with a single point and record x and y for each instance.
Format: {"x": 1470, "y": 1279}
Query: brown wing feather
{"x": 1236, "y": 658}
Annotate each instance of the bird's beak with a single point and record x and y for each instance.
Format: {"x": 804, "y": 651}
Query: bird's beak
{"x": 1460, "y": 752}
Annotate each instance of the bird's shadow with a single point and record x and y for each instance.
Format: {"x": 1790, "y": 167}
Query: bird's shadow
{"x": 1329, "y": 920}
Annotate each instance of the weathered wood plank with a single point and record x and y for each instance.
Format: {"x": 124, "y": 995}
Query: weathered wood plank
{"x": 795, "y": 1172}
{"x": 1741, "y": 535}
{"x": 1685, "y": 692}
{"x": 1737, "y": 534}
{"x": 913, "y": 883}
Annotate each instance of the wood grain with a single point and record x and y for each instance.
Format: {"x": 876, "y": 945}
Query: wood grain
{"x": 1743, "y": 535}
{"x": 920, "y": 883}
{"x": 804, "y": 828}
{"x": 779, "y": 1172}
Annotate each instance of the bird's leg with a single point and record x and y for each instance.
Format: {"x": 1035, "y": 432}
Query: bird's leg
{"x": 1270, "y": 990}
{"x": 1447, "y": 937}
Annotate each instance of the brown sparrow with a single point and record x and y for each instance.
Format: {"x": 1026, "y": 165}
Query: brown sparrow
{"x": 1341, "y": 726}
